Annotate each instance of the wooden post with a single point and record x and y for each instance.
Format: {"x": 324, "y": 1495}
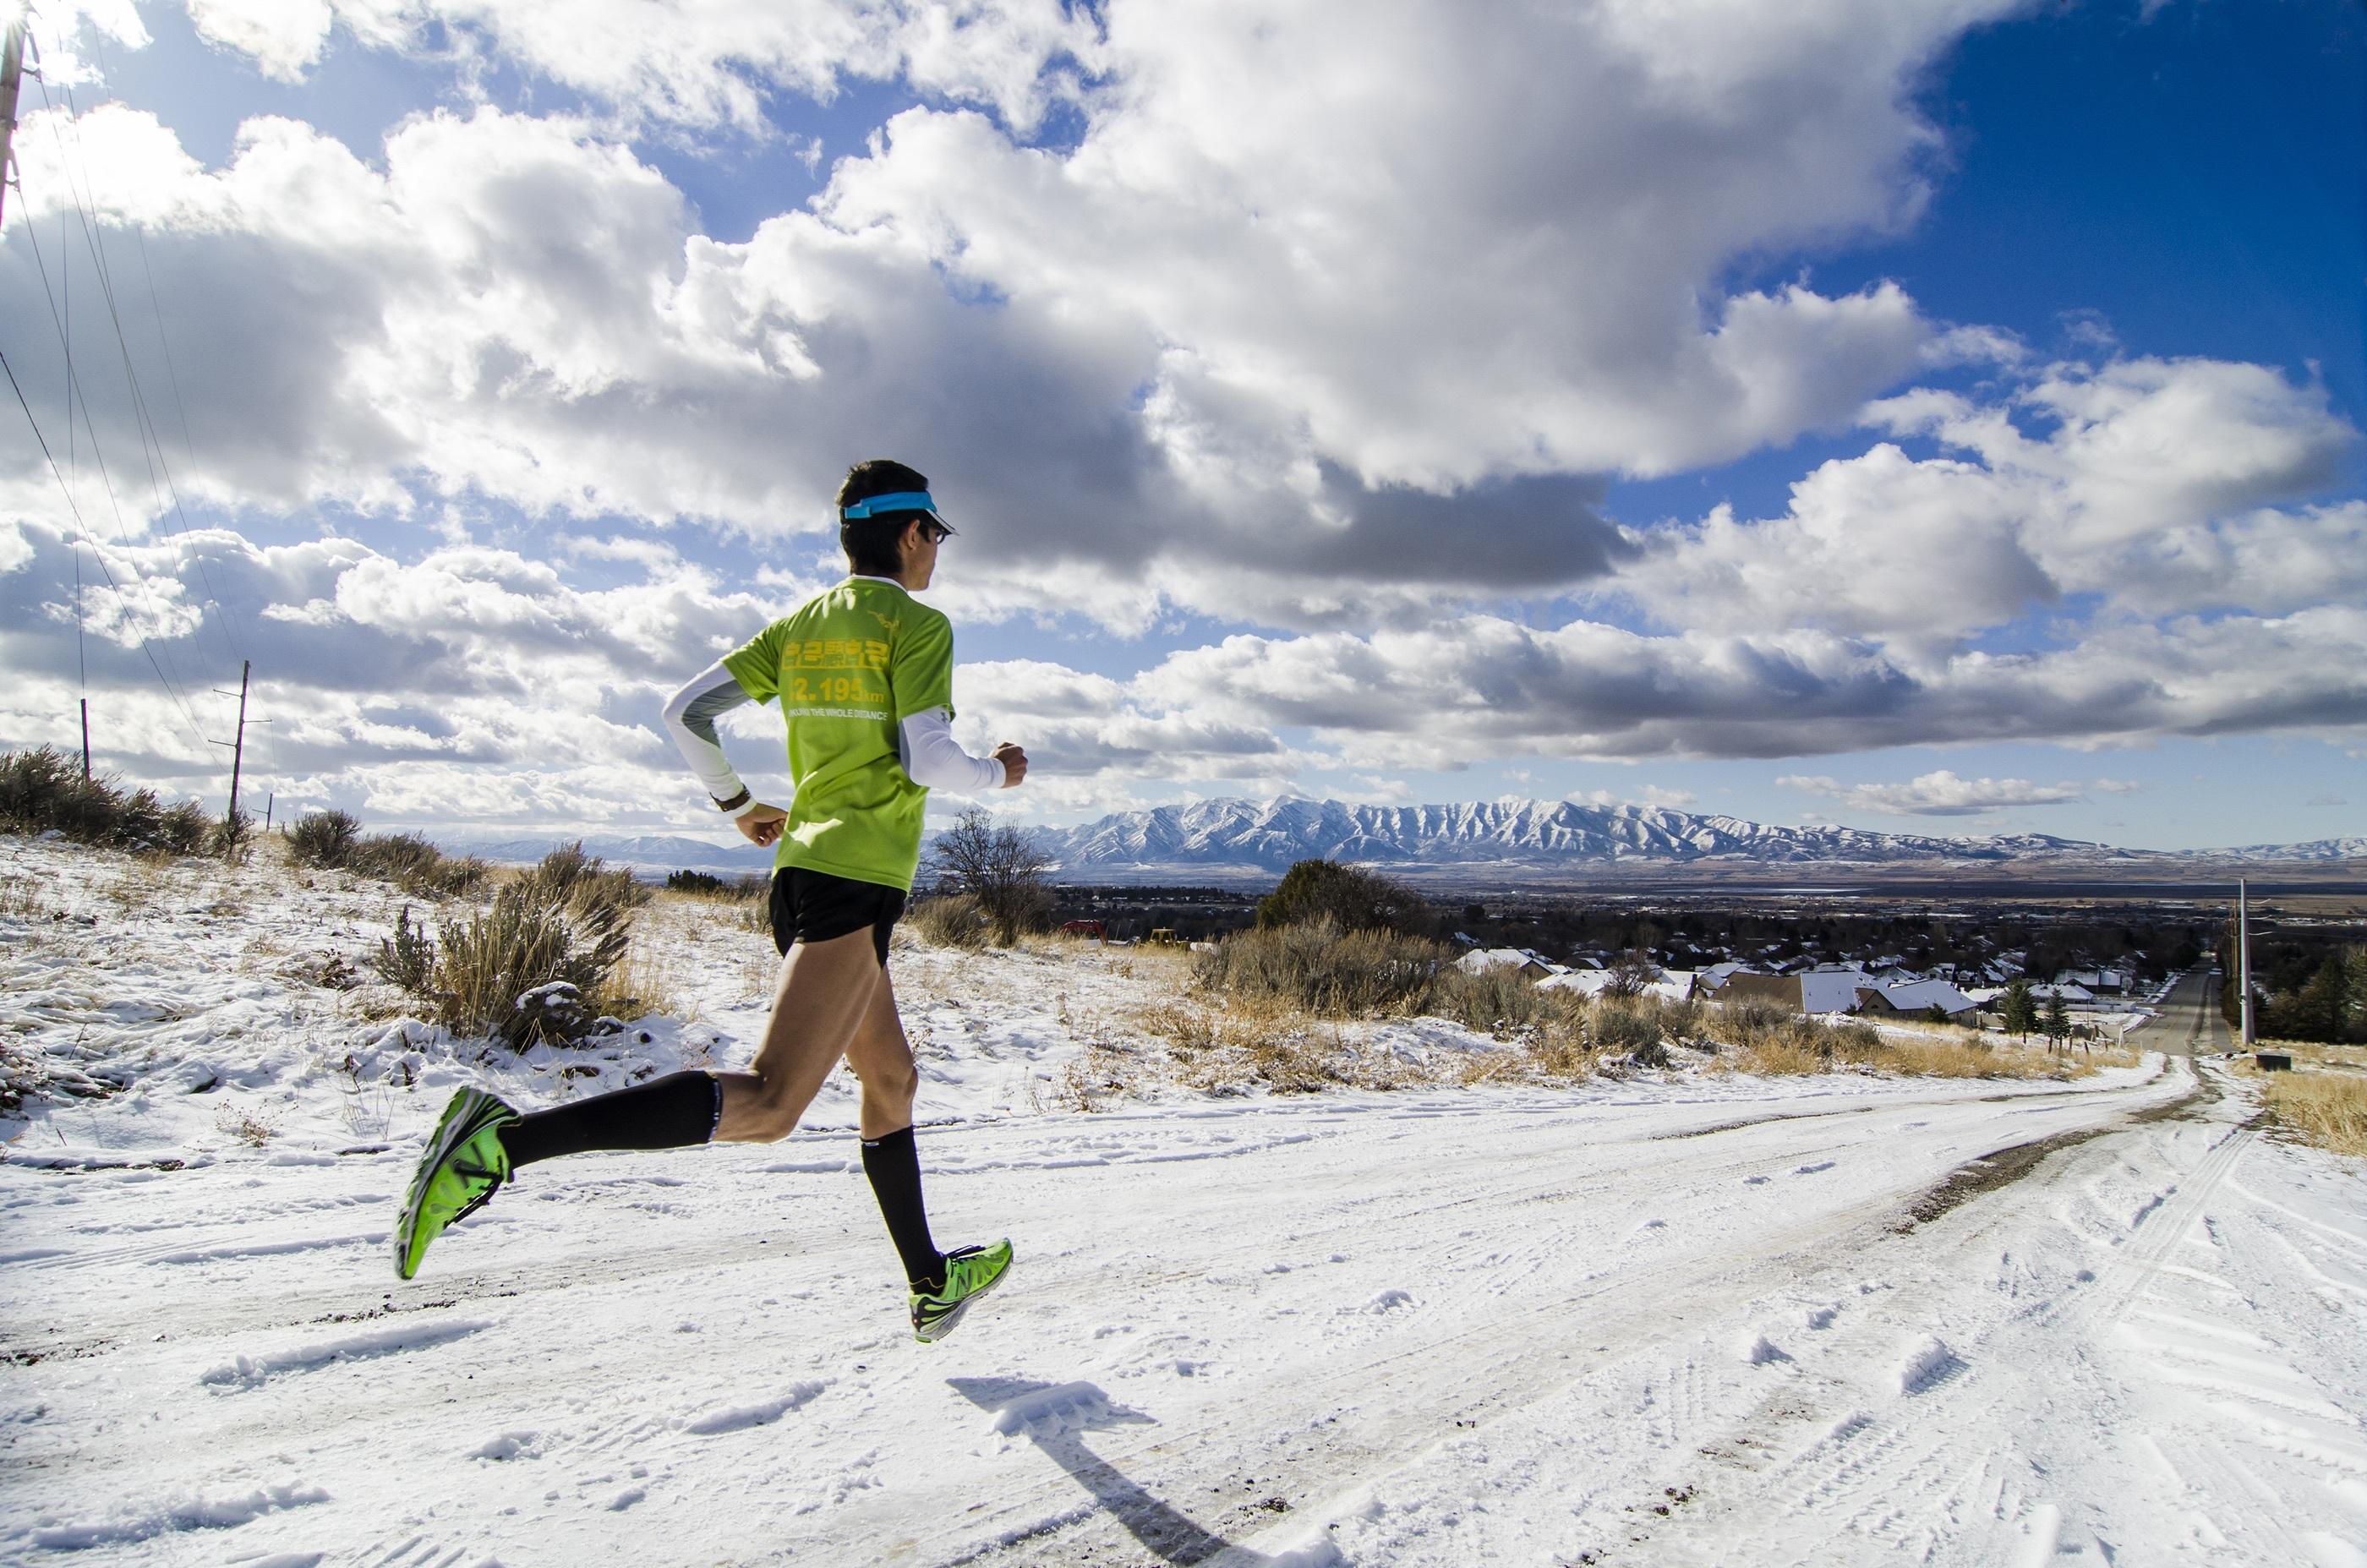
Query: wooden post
{"x": 238, "y": 747}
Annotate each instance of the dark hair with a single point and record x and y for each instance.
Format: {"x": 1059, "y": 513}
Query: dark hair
{"x": 871, "y": 541}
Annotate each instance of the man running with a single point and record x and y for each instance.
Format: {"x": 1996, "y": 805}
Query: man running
{"x": 864, "y": 673}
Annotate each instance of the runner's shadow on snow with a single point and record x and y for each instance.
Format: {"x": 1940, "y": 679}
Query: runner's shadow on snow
{"x": 1056, "y": 1417}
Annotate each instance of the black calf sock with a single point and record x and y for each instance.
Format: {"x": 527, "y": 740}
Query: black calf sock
{"x": 669, "y": 1113}
{"x": 893, "y": 1164}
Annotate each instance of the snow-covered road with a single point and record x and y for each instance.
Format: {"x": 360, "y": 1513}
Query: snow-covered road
{"x": 1723, "y": 1323}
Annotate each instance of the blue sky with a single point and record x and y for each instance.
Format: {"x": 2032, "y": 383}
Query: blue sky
{"x": 1926, "y": 418}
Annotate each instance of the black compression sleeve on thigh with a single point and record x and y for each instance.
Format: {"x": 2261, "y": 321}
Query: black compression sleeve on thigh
{"x": 663, "y": 1113}
{"x": 893, "y": 1164}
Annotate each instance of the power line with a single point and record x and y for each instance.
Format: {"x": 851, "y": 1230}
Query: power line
{"x": 99, "y": 556}
{"x": 106, "y": 480}
{"x": 151, "y": 446}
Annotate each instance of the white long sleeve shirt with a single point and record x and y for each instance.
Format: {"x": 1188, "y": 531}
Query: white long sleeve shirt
{"x": 925, "y": 746}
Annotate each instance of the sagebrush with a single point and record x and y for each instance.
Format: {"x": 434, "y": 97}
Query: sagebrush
{"x": 540, "y": 963}
{"x": 43, "y": 791}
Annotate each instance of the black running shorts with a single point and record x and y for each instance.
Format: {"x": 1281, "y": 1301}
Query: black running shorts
{"x": 813, "y": 906}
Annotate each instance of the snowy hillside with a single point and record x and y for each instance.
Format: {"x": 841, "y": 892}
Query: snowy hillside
{"x": 1666, "y": 1317}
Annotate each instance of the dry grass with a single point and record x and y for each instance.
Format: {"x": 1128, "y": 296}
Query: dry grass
{"x": 244, "y": 1126}
{"x": 951, "y": 919}
{"x": 1231, "y": 1047}
{"x": 2328, "y": 1108}
{"x": 2316, "y": 1052}
{"x": 20, "y": 898}
{"x": 1769, "y": 1041}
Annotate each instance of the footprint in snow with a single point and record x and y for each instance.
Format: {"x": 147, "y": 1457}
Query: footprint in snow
{"x": 1812, "y": 1169}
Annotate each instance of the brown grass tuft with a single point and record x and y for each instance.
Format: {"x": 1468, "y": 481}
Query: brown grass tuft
{"x": 2328, "y": 1108}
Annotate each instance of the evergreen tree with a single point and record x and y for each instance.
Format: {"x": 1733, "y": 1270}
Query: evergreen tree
{"x": 2321, "y": 1007}
{"x": 1353, "y": 899}
{"x": 2018, "y": 1010}
{"x": 2058, "y": 1019}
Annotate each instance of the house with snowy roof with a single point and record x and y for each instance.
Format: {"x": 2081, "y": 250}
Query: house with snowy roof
{"x": 1916, "y": 999}
{"x": 1519, "y": 959}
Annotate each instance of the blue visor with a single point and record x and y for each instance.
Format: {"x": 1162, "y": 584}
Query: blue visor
{"x": 902, "y": 501}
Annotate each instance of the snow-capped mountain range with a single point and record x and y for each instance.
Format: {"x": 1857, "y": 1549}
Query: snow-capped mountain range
{"x": 1513, "y": 839}
{"x": 1499, "y": 840}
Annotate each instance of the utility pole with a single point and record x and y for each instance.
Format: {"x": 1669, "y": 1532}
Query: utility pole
{"x": 238, "y": 746}
{"x": 12, "y": 74}
{"x": 2244, "y": 957}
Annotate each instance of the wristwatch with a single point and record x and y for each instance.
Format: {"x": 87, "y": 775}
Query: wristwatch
{"x": 733, "y": 804}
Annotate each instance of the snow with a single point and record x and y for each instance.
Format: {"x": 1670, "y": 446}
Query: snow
{"x": 1682, "y": 1317}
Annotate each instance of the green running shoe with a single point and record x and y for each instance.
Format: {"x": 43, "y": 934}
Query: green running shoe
{"x": 971, "y": 1272}
{"x": 465, "y": 1165}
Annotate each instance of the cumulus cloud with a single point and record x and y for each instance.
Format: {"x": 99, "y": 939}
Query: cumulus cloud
{"x": 1938, "y": 793}
{"x": 2149, "y": 486}
{"x": 1267, "y": 341}
{"x": 284, "y": 38}
{"x": 1304, "y": 324}
{"x": 1479, "y": 687}
{"x": 379, "y": 675}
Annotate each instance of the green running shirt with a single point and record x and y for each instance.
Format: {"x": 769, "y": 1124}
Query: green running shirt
{"x": 848, "y": 666}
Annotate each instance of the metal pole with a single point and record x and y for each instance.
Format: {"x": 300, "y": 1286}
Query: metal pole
{"x": 269, "y": 802}
{"x": 2244, "y": 956}
{"x": 238, "y": 747}
{"x": 86, "y": 740}
{"x": 12, "y": 72}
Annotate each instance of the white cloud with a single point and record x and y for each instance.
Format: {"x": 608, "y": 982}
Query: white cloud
{"x": 284, "y": 38}
{"x": 1314, "y": 326}
{"x": 1938, "y": 793}
{"x": 2149, "y": 488}
{"x": 1272, "y": 339}
{"x": 1650, "y": 795}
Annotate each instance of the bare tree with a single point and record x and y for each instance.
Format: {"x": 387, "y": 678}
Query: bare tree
{"x": 1631, "y": 972}
{"x": 1002, "y": 868}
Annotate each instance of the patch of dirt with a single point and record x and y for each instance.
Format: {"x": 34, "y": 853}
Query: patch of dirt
{"x": 1987, "y": 1174}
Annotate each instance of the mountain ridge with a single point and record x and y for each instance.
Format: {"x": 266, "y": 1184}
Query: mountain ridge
{"x": 1505, "y": 837}
{"x": 1511, "y": 841}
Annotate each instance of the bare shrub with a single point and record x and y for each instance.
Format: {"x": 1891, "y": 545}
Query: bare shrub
{"x": 230, "y": 837}
{"x": 1002, "y": 868}
{"x": 180, "y": 829}
{"x": 333, "y": 841}
{"x": 1618, "y": 1026}
{"x": 325, "y": 838}
{"x": 1495, "y": 1001}
{"x": 951, "y": 919}
{"x": 42, "y": 791}
{"x": 244, "y": 1125}
{"x": 1322, "y": 969}
{"x": 536, "y": 964}
{"x": 1630, "y": 973}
